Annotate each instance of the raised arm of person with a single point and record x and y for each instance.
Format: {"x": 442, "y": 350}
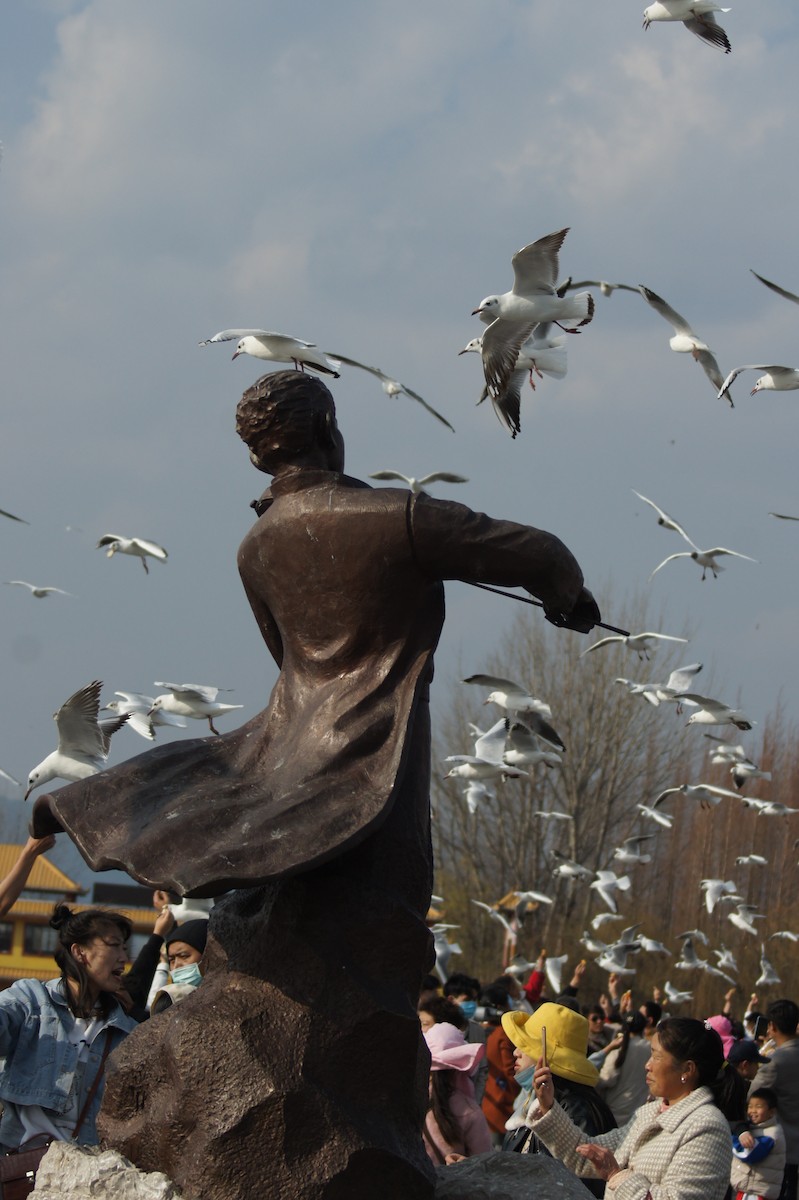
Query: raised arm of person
{"x": 17, "y": 877}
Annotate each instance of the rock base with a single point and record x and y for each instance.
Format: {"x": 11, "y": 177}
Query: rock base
{"x": 70, "y": 1172}
{"x": 498, "y": 1176}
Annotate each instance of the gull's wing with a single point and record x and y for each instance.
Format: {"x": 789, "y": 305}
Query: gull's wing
{"x": 720, "y": 791}
{"x": 441, "y": 476}
{"x": 151, "y": 548}
{"x": 667, "y": 792}
{"x": 497, "y": 682}
{"x": 679, "y": 324}
{"x": 522, "y": 739}
{"x": 783, "y": 517}
{"x": 733, "y": 375}
{"x": 661, "y": 637}
{"x": 11, "y": 779}
{"x": 707, "y": 28}
{"x": 391, "y": 475}
{"x": 381, "y": 375}
{"x": 707, "y": 702}
{"x": 681, "y": 554}
{"x": 508, "y": 406}
{"x": 541, "y": 728}
{"x": 191, "y": 691}
{"x": 664, "y": 519}
{"x": 775, "y": 287}
{"x": 20, "y": 583}
{"x": 491, "y": 744}
{"x": 235, "y": 335}
{"x": 720, "y": 550}
{"x": 502, "y": 342}
{"x": 607, "y": 289}
{"x": 708, "y": 363}
{"x": 681, "y": 678}
{"x": 535, "y": 267}
{"x": 11, "y": 517}
{"x": 108, "y": 538}
{"x": 136, "y": 700}
{"x": 604, "y": 642}
{"x": 77, "y": 724}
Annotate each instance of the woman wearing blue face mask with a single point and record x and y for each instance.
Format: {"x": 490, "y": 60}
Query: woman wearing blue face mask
{"x": 184, "y": 947}
{"x": 573, "y": 1076}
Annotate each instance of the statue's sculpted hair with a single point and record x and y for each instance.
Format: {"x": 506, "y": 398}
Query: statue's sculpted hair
{"x": 285, "y": 410}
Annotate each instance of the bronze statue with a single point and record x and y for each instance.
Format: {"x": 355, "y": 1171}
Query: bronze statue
{"x": 317, "y": 813}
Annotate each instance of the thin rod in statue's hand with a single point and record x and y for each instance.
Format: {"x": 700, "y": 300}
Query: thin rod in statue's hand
{"x": 538, "y": 604}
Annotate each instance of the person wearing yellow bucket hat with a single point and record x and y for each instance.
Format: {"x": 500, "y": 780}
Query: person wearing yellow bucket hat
{"x": 573, "y": 1076}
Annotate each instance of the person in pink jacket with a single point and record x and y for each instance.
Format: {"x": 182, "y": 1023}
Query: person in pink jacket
{"x": 455, "y": 1126}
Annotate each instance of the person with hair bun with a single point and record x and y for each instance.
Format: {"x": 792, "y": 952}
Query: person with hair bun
{"x": 677, "y": 1149}
{"x": 55, "y": 1036}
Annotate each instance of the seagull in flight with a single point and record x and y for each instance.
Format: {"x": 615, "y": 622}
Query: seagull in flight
{"x": 541, "y": 354}
{"x": 607, "y": 883}
{"x": 706, "y": 559}
{"x": 138, "y": 547}
{"x": 36, "y": 589}
{"x": 570, "y": 869}
{"x": 696, "y": 15}
{"x": 775, "y": 287}
{"x": 707, "y": 794}
{"x": 630, "y": 849}
{"x": 715, "y": 712}
{"x": 193, "y": 700}
{"x": 393, "y": 387}
{"x": 418, "y": 485}
{"x": 11, "y": 517}
{"x": 744, "y": 917}
{"x": 83, "y": 739}
{"x": 663, "y": 517}
{"x": 639, "y": 642}
{"x": 140, "y": 717}
{"x": 768, "y": 975}
{"x": 533, "y": 299}
{"x": 685, "y": 341}
{"x": 776, "y": 379}
{"x": 509, "y": 695}
{"x": 714, "y": 889}
{"x": 278, "y": 347}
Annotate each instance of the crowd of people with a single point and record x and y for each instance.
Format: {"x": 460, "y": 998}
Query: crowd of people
{"x": 639, "y": 1103}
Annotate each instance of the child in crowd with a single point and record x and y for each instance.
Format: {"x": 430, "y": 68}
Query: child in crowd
{"x": 759, "y": 1153}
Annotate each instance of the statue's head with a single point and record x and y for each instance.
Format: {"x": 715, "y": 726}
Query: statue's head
{"x": 288, "y": 418}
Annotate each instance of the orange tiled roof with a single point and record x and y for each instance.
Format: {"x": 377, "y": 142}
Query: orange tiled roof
{"x": 44, "y": 877}
{"x": 141, "y": 918}
{"x": 12, "y": 973}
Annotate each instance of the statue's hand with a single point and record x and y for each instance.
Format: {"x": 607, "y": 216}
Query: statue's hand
{"x": 583, "y": 616}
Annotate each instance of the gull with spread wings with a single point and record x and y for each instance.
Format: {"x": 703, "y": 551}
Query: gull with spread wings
{"x": 685, "y": 341}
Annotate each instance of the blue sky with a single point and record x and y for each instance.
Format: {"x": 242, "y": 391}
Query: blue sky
{"x": 360, "y": 176}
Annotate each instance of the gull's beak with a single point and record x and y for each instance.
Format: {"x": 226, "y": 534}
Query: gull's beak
{"x": 464, "y": 350}
{"x": 236, "y": 355}
{"x": 475, "y": 311}
{"x": 28, "y": 792}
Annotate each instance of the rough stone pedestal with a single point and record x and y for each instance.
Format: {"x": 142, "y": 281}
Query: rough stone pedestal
{"x": 498, "y": 1176}
{"x": 296, "y": 1070}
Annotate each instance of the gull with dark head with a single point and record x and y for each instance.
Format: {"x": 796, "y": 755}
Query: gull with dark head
{"x": 641, "y": 643}
{"x": 533, "y": 299}
{"x": 138, "y": 547}
{"x": 83, "y": 739}
{"x": 776, "y": 379}
{"x": 278, "y": 347}
{"x": 685, "y": 341}
{"x": 696, "y": 15}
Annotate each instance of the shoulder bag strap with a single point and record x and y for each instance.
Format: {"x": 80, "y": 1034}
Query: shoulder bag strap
{"x": 95, "y": 1085}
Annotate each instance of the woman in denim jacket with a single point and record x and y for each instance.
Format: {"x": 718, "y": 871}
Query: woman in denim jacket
{"x": 53, "y": 1034}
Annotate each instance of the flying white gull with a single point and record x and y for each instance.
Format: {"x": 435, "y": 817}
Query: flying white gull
{"x": 194, "y": 700}
{"x": 553, "y": 815}
{"x": 685, "y": 341}
{"x": 522, "y": 749}
{"x": 607, "y": 883}
{"x": 706, "y": 559}
{"x": 614, "y": 959}
{"x": 653, "y": 813}
{"x": 670, "y": 691}
{"x": 742, "y": 772}
{"x": 138, "y": 547}
{"x": 652, "y": 947}
{"x": 511, "y": 696}
{"x": 278, "y": 347}
{"x": 768, "y": 975}
{"x": 569, "y": 869}
{"x": 639, "y": 642}
{"x": 744, "y": 916}
{"x": 36, "y": 589}
{"x": 630, "y": 849}
{"x": 140, "y": 717}
{"x": 696, "y": 15}
{"x": 497, "y": 916}
{"x": 602, "y": 918}
{"x": 707, "y": 794}
{"x": 532, "y": 299}
{"x": 776, "y": 378}
{"x": 726, "y": 959}
{"x": 768, "y": 808}
{"x": 663, "y": 517}
{"x": 775, "y": 287}
{"x": 540, "y": 353}
{"x": 674, "y": 996}
{"x": 83, "y": 740}
{"x": 418, "y": 485}
{"x": 785, "y": 935}
{"x": 475, "y": 792}
{"x": 783, "y": 516}
{"x": 714, "y": 889}
{"x": 751, "y": 860}
{"x": 393, "y": 387}
{"x": 715, "y": 712}
{"x": 553, "y": 967}
{"x": 469, "y": 766}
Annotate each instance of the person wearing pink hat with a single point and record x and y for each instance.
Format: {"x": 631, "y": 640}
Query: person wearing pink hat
{"x": 723, "y": 1027}
{"x": 454, "y": 1127}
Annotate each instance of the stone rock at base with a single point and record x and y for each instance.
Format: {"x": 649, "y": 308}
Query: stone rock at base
{"x": 70, "y": 1172}
{"x": 498, "y": 1176}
